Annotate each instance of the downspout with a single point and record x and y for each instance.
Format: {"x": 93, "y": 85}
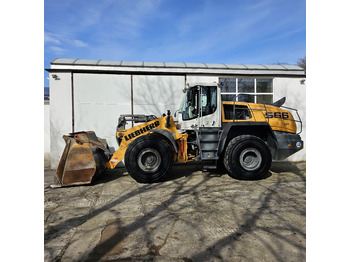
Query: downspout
{"x": 132, "y": 98}
{"x": 72, "y": 85}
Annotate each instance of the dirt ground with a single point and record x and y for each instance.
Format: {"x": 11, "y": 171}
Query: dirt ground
{"x": 193, "y": 215}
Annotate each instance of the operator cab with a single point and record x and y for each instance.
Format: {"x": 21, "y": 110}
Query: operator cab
{"x": 200, "y": 107}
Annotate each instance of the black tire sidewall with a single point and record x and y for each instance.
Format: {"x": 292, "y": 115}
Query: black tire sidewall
{"x": 235, "y": 149}
{"x": 148, "y": 141}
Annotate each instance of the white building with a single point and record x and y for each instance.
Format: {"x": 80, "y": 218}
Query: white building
{"x": 46, "y": 127}
{"x": 91, "y": 94}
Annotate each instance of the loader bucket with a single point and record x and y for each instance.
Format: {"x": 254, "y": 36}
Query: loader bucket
{"x": 84, "y": 157}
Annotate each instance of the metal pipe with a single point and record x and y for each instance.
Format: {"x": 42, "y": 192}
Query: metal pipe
{"x": 72, "y": 88}
{"x": 132, "y": 97}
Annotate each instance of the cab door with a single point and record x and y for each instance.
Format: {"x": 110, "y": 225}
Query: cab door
{"x": 210, "y": 110}
{"x": 201, "y": 108}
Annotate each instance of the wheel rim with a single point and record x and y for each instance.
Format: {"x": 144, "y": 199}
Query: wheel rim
{"x": 250, "y": 159}
{"x": 149, "y": 160}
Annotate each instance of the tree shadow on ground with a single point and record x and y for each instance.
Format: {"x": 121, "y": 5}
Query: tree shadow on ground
{"x": 179, "y": 171}
{"x": 249, "y": 228}
{"x": 113, "y": 241}
{"x": 110, "y": 175}
{"x": 297, "y": 168}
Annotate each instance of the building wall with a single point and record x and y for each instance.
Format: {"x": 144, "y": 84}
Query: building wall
{"x": 294, "y": 89}
{"x": 99, "y": 100}
{"x": 154, "y": 95}
{"x": 192, "y": 79}
{"x": 60, "y": 114}
{"x": 46, "y": 133}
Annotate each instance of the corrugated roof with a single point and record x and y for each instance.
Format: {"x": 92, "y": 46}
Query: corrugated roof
{"x": 67, "y": 61}
{"x": 173, "y": 68}
{"x": 109, "y": 63}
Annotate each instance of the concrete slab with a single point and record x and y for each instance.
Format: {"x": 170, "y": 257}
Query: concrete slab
{"x": 192, "y": 216}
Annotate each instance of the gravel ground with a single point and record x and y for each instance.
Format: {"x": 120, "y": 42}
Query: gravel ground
{"x": 193, "y": 215}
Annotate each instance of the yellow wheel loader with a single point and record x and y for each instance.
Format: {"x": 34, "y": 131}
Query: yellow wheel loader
{"x": 243, "y": 137}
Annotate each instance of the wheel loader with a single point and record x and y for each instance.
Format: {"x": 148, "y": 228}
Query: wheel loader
{"x": 241, "y": 137}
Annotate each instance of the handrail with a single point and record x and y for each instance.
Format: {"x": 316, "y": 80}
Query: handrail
{"x": 297, "y": 121}
{"x": 268, "y": 119}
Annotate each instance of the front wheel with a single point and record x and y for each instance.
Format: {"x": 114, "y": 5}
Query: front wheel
{"x": 247, "y": 157}
{"x": 148, "y": 158}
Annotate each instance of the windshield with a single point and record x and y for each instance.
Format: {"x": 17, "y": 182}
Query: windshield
{"x": 189, "y": 105}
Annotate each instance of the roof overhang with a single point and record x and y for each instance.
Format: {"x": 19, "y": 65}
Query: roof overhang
{"x": 164, "y": 68}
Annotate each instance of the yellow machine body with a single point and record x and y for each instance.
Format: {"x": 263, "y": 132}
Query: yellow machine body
{"x": 278, "y": 118}
{"x": 129, "y": 135}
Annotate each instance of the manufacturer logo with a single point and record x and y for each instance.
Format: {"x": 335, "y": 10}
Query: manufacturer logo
{"x": 142, "y": 130}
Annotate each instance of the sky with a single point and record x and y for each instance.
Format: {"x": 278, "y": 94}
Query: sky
{"x": 196, "y": 31}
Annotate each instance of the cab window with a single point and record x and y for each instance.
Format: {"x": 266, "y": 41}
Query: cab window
{"x": 209, "y": 101}
{"x": 238, "y": 112}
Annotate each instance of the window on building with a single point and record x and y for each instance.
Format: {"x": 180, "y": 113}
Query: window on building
{"x": 251, "y": 90}
{"x": 229, "y": 85}
{"x": 264, "y": 85}
{"x": 245, "y": 85}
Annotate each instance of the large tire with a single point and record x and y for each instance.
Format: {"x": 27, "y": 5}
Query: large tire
{"x": 247, "y": 157}
{"x": 148, "y": 158}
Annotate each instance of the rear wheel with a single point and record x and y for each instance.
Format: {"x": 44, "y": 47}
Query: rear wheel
{"x": 148, "y": 158}
{"x": 247, "y": 157}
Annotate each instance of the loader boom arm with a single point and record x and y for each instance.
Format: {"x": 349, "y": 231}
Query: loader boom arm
{"x": 129, "y": 135}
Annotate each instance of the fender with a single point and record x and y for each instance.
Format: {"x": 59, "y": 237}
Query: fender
{"x": 169, "y": 136}
{"x": 232, "y": 127}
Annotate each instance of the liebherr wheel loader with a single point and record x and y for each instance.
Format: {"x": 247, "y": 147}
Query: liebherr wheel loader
{"x": 243, "y": 137}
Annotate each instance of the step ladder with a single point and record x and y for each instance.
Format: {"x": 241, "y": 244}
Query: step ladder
{"x": 208, "y": 143}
